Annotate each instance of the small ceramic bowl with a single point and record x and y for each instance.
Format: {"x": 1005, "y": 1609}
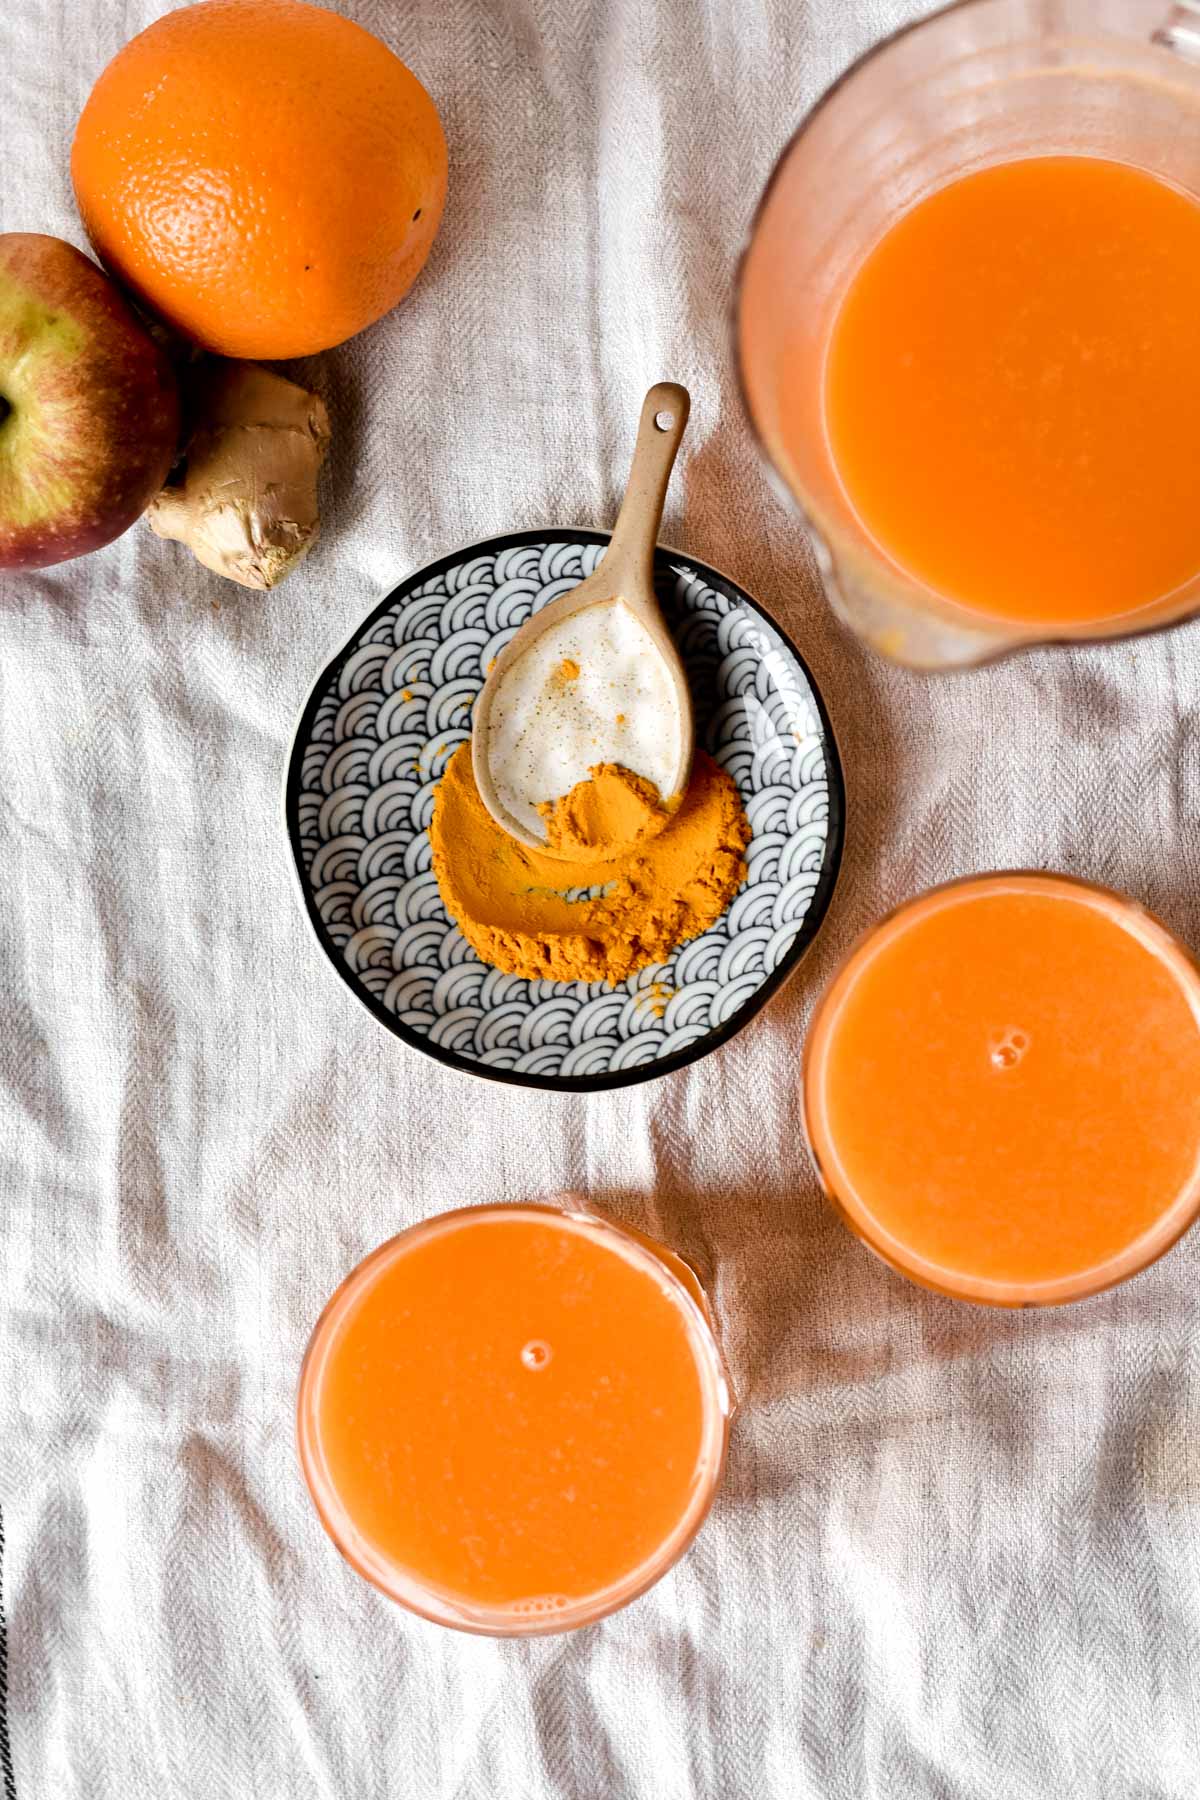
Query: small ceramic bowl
{"x": 383, "y": 720}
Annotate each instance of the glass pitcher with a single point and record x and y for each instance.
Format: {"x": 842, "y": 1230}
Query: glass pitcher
{"x": 982, "y": 82}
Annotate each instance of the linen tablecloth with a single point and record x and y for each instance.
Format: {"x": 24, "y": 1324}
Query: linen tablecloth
{"x": 958, "y": 1553}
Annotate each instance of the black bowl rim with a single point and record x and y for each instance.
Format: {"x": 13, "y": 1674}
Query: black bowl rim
{"x": 621, "y": 1078}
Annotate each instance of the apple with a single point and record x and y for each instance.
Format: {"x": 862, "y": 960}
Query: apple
{"x": 89, "y": 409}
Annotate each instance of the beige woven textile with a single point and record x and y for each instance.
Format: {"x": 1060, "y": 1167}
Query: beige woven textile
{"x": 958, "y": 1553}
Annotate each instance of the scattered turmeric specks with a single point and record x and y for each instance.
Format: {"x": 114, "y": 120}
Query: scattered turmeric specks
{"x": 653, "y": 999}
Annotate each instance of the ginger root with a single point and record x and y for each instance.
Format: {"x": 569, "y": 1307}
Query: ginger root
{"x": 245, "y": 500}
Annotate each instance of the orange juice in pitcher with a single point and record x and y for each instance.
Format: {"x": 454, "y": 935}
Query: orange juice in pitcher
{"x": 969, "y": 327}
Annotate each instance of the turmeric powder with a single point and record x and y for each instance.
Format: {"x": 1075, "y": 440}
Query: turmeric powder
{"x": 540, "y": 915}
{"x": 610, "y": 812}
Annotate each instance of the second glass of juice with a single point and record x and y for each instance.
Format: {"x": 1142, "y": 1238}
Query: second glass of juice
{"x": 512, "y": 1419}
{"x": 969, "y": 327}
{"x": 1002, "y": 1089}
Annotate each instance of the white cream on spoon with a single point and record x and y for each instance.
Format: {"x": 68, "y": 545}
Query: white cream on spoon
{"x": 592, "y": 689}
{"x": 594, "y": 677}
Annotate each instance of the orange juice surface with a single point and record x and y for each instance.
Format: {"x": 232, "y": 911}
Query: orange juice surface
{"x": 510, "y": 1409}
{"x": 1002, "y": 1088}
{"x": 1013, "y": 386}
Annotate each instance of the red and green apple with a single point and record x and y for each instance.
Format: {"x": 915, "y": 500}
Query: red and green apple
{"x": 89, "y": 410}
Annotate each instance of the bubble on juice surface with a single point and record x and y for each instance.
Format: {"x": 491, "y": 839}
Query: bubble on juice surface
{"x": 541, "y": 1603}
{"x": 1006, "y": 1048}
{"x": 536, "y": 1354}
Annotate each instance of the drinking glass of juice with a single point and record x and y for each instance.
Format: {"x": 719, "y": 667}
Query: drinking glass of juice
{"x": 1002, "y": 1089}
{"x": 968, "y": 327}
{"x": 512, "y": 1419}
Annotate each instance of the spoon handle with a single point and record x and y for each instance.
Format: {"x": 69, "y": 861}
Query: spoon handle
{"x": 628, "y": 562}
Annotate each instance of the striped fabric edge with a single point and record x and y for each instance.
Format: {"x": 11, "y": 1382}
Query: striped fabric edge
{"x": 6, "y": 1767}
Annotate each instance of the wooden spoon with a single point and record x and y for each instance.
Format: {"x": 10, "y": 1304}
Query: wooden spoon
{"x": 626, "y": 573}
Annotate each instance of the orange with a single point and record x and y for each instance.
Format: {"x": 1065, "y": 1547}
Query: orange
{"x": 265, "y": 175}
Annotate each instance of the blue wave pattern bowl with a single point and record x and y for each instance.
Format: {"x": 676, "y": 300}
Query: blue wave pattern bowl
{"x": 388, "y": 713}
